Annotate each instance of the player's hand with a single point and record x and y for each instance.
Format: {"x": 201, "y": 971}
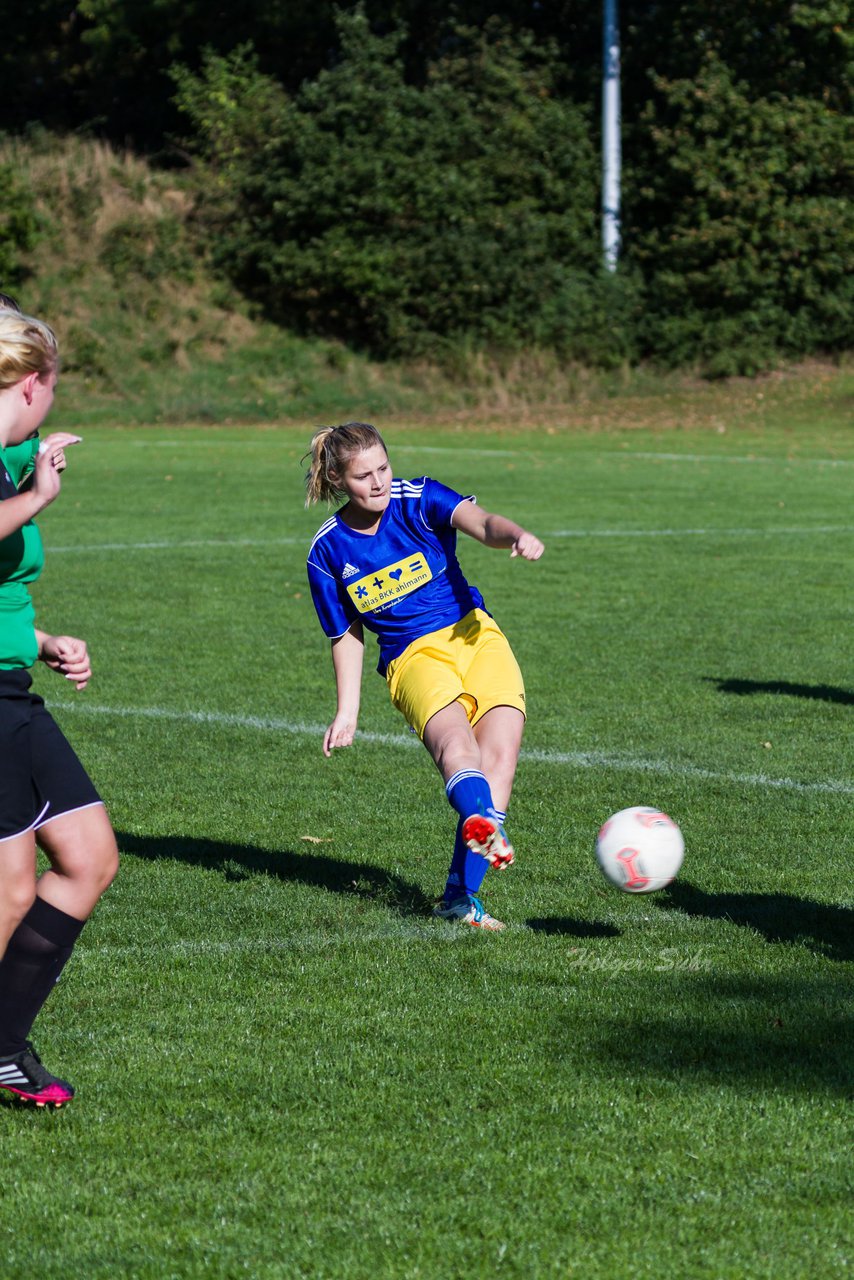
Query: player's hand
{"x": 527, "y": 546}
{"x": 46, "y": 482}
{"x": 339, "y": 734}
{"x": 69, "y": 656}
{"x": 55, "y": 444}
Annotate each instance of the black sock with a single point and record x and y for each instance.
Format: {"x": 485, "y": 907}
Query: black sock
{"x": 34, "y": 959}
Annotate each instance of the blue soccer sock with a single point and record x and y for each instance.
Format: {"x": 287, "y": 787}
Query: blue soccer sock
{"x": 468, "y": 792}
{"x": 467, "y": 870}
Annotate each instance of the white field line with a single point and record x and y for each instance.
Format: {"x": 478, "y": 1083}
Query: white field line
{"x": 572, "y": 759}
{"x": 453, "y": 450}
{"x": 178, "y": 544}
{"x": 228, "y": 543}
{"x": 217, "y": 441}
{"x": 405, "y": 931}
{"x": 783, "y": 530}
{"x": 719, "y": 457}
{"x": 626, "y": 457}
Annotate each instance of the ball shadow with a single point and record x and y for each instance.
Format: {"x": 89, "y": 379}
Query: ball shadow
{"x": 755, "y": 1035}
{"x": 818, "y": 692}
{"x": 823, "y": 928}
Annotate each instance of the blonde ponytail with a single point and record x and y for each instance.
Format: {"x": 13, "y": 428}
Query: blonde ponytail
{"x": 328, "y": 454}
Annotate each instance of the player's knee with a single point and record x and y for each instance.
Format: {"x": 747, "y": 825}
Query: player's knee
{"x": 18, "y": 896}
{"x": 500, "y": 761}
{"x": 92, "y": 870}
{"x": 106, "y": 865}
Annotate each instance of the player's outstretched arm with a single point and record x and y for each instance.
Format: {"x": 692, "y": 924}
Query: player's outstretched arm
{"x": 348, "y": 653}
{"x": 496, "y": 531}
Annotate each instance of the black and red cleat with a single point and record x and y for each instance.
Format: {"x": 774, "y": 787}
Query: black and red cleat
{"x": 23, "y": 1075}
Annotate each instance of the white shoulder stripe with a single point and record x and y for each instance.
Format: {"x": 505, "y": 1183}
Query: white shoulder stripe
{"x": 330, "y": 524}
{"x": 407, "y": 488}
{"x": 314, "y": 565}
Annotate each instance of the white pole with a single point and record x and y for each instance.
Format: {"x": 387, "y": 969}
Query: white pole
{"x": 611, "y": 152}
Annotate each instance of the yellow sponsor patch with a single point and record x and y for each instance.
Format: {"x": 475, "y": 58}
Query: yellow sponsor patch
{"x": 386, "y": 585}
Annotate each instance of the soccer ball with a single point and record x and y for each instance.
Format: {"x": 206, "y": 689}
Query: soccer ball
{"x": 640, "y": 849}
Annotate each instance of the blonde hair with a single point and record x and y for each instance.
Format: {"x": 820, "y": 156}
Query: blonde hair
{"x": 27, "y": 346}
{"x": 329, "y": 452}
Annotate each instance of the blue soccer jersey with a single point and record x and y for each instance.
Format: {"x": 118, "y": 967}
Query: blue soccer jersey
{"x": 402, "y": 581}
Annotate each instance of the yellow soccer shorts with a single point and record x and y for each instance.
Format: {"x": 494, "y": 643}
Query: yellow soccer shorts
{"x": 470, "y": 662}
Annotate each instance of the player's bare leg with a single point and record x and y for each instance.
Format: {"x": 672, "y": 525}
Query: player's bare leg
{"x": 18, "y": 862}
{"x": 84, "y": 859}
{"x": 499, "y": 739}
{"x": 450, "y": 739}
{"x": 457, "y": 753}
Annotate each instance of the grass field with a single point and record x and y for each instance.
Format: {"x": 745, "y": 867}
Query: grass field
{"x": 284, "y": 1067}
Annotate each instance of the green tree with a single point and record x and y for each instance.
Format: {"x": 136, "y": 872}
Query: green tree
{"x": 18, "y": 226}
{"x": 401, "y": 216}
{"x": 744, "y": 228}
{"x": 462, "y": 142}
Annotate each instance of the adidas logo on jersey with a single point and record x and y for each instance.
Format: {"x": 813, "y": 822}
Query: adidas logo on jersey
{"x": 349, "y": 570}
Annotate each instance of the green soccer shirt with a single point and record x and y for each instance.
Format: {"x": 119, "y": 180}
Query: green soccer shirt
{"x": 21, "y": 562}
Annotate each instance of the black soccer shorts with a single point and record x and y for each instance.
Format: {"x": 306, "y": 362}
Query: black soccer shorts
{"x": 40, "y": 776}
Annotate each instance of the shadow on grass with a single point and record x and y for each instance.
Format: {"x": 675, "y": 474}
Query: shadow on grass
{"x": 239, "y": 862}
{"x": 564, "y": 926}
{"x": 754, "y": 1034}
{"x": 779, "y": 917}
{"x": 819, "y": 692}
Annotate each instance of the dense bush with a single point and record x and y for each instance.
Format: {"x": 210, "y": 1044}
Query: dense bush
{"x": 18, "y": 225}
{"x": 743, "y": 225}
{"x": 147, "y": 246}
{"x": 411, "y": 217}
{"x": 404, "y": 217}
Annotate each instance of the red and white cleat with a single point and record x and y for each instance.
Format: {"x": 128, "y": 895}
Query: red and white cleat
{"x": 487, "y": 837}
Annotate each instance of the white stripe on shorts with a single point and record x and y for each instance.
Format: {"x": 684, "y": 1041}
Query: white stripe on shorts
{"x": 37, "y": 822}
{"x": 42, "y": 821}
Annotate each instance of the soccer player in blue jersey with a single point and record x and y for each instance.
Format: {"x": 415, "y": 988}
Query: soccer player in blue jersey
{"x": 386, "y": 562}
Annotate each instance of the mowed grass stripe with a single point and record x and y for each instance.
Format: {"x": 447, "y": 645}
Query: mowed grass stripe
{"x": 573, "y": 759}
